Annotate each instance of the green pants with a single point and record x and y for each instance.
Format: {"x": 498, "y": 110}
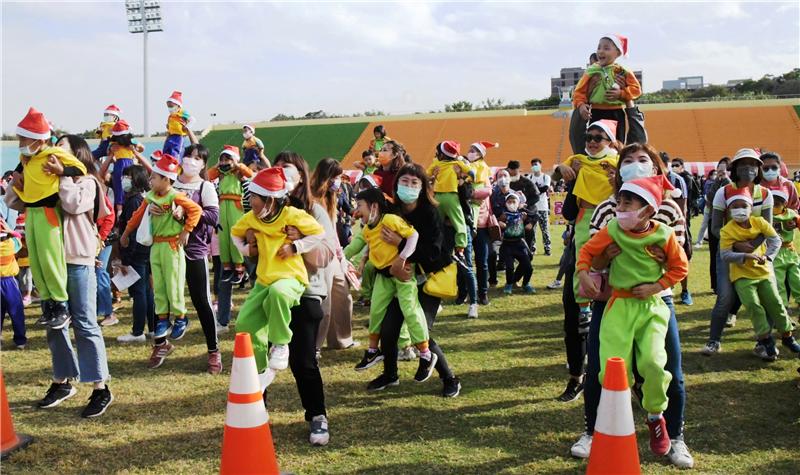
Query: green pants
{"x": 169, "y": 278}
{"x": 450, "y": 208}
{"x": 387, "y": 288}
{"x": 581, "y": 238}
{"x": 367, "y": 280}
{"x": 266, "y": 314}
{"x": 760, "y": 298}
{"x": 229, "y": 213}
{"x": 404, "y": 338}
{"x": 787, "y": 264}
{"x": 46, "y": 252}
{"x": 640, "y": 325}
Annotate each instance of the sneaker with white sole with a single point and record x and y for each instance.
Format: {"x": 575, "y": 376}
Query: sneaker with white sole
{"x": 222, "y": 329}
{"x": 56, "y": 394}
{"x": 318, "y": 431}
{"x": 407, "y": 354}
{"x": 382, "y": 382}
{"x": 472, "y": 312}
{"x": 425, "y": 369}
{"x": 109, "y": 321}
{"x": 679, "y": 454}
{"x": 731, "y": 320}
{"x": 279, "y": 357}
{"x": 131, "y": 338}
{"x": 711, "y": 348}
{"x": 556, "y": 284}
{"x": 98, "y": 403}
{"x": 582, "y": 447}
{"x": 370, "y": 359}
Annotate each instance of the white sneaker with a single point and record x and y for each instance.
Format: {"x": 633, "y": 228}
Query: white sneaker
{"x": 473, "y": 311}
{"x": 731, "y": 320}
{"x": 318, "y": 431}
{"x": 222, "y": 328}
{"x": 130, "y": 338}
{"x": 698, "y": 245}
{"x": 439, "y": 310}
{"x": 582, "y": 447}
{"x": 679, "y": 454}
{"x": 406, "y": 354}
{"x": 556, "y": 284}
{"x": 711, "y": 348}
{"x": 266, "y": 378}
{"x": 279, "y": 357}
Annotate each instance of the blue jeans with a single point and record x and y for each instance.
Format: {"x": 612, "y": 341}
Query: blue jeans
{"x": 91, "y": 363}
{"x": 144, "y": 307}
{"x": 224, "y": 303}
{"x": 676, "y": 392}
{"x": 481, "y": 246}
{"x": 104, "y": 299}
{"x": 466, "y": 277}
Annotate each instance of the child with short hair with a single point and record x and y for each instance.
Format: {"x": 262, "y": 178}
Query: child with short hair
{"x": 751, "y": 274}
{"x": 122, "y": 152}
{"x": 281, "y": 273}
{"x": 231, "y": 173}
{"x": 24, "y": 279}
{"x": 514, "y": 247}
{"x": 253, "y": 148}
{"x": 111, "y": 115}
{"x": 368, "y": 163}
{"x": 389, "y": 260}
{"x": 179, "y": 119}
{"x": 636, "y": 318}
{"x": 10, "y": 296}
{"x": 787, "y": 263}
{"x": 167, "y": 260}
{"x": 597, "y": 94}
{"x": 379, "y": 138}
{"x": 447, "y": 170}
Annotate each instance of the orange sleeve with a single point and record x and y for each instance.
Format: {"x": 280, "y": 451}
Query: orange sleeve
{"x": 677, "y": 263}
{"x": 245, "y": 171}
{"x": 136, "y": 217}
{"x": 579, "y": 93}
{"x": 593, "y": 248}
{"x": 212, "y": 173}
{"x": 632, "y": 89}
{"x": 193, "y": 211}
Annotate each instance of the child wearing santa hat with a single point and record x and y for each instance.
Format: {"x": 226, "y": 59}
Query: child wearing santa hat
{"x": 111, "y": 115}
{"x": 636, "y": 318}
{"x": 253, "y": 148}
{"x": 597, "y": 94}
{"x": 447, "y": 170}
{"x": 786, "y": 265}
{"x": 42, "y": 166}
{"x": 230, "y": 173}
{"x": 121, "y": 152}
{"x": 751, "y": 274}
{"x": 167, "y": 262}
{"x": 179, "y": 118}
{"x": 281, "y": 273}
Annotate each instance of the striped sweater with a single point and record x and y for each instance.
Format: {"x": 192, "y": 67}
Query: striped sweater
{"x": 668, "y": 213}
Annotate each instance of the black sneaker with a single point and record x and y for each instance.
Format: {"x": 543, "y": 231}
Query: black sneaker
{"x": 483, "y": 299}
{"x": 461, "y": 299}
{"x": 59, "y": 318}
{"x": 452, "y": 387}
{"x": 765, "y": 349}
{"x": 584, "y": 320}
{"x": 572, "y": 391}
{"x": 369, "y": 360}
{"x": 227, "y": 275}
{"x": 98, "y": 403}
{"x": 58, "y": 393}
{"x": 547, "y": 252}
{"x": 791, "y": 343}
{"x": 425, "y": 369}
{"x": 382, "y": 382}
{"x": 238, "y": 277}
{"x": 47, "y": 310}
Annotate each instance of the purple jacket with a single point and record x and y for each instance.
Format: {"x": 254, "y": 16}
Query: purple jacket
{"x": 204, "y": 194}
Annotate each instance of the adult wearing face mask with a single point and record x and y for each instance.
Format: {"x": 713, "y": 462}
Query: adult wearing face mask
{"x": 542, "y": 181}
{"x": 745, "y": 172}
{"x": 390, "y": 158}
{"x": 497, "y": 202}
{"x": 197, "y": 250}
{"x": 774, "y": 181}
{"x": 636, "y": 161}
{"x": 713, "y": 241}
{"x": 481, "y": 211}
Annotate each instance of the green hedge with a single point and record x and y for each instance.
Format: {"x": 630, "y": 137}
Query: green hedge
{"x": 313, "y": 142}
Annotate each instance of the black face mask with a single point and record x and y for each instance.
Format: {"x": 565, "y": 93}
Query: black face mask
{"x": 225, "y": 168}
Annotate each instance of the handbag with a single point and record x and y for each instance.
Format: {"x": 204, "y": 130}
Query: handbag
{"x": 144, "y": 234}
{"x": 442, "y": 284}
{"x": 493, "y": 227}
{"x": 601, "y": 281}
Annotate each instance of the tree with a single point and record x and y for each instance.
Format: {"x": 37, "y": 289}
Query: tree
{"x": 460, "y": 106}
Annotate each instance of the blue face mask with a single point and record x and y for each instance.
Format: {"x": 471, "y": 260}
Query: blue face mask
{"x": 771, "y": 175}
{"x": 632, "y": 171}
{"x": 407, "y": 194}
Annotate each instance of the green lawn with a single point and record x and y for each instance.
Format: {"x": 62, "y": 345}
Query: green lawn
{"x": 742, "y": 414}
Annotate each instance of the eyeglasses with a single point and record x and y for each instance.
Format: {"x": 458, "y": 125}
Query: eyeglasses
{"x": 773, "y": 168}
{"x": 594, "y": 138}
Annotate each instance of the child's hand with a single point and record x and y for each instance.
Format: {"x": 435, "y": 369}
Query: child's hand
{"x": 250, "y": 235}
{"x": 53, "y": 166}
{"x": 584, "y": 111}
{"x": 434, "y": 172}
{"x": 643, "y": 291}
{"x": 156, "y": 210}
{"x": 178, "y": 213}
{"x": 755, "y": 257}
{"x": 613, "y": 95}
{"x": 588, "y": 285}
{"x": 292, "y": 233}
{"x": 286, "y": 251}
{"x": 183, "y": 238}
{"x": 124, "y": 241}
{"x": 790, "y": 225}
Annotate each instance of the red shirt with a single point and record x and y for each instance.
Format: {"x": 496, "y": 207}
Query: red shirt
{"x": 106, "y": 224}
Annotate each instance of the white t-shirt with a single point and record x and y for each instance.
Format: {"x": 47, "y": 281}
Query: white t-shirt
{"x": 541, "y": 181}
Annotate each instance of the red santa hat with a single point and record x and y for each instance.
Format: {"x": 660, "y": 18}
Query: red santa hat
{"x": 113, "y": 110}
{"x": 450, "y": 148}
{"x": 176, "y": 98}
{"x": 248, "y": 126}
{"x": 270, "y": 182}
{"x": 231, "y": 151}
{"x": 156, "y": 155}
{"x": 650, "y": 189}
{"x": 374, "y": 180}
{"x": 483, "y": 146}
{"x": 738, "y": 194}
{"x": 167, "y": 166}
{"x": 121, "y": 127}
{"x": 34, "y": 126}
{"x": 621, "y": 42}
{"x": 607, "y": 126}
{"x": 780, "y": 193}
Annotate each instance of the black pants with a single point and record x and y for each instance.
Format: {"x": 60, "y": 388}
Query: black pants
{"x": 302, "y": 356}
{"x": 492, "y": 263}
{"x": 217, "y": 273}
{"x": 574, "y": 342}
{"x": 200, "y": 293}
{"x": 517, "y": 251}
{"x": 713, "y": 248}
{"x": 390, "y": 331}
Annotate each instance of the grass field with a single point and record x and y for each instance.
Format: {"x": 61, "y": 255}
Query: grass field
{"x": 742, "y": 415}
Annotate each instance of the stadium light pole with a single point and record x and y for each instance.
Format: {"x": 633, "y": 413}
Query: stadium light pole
{"x": 144, "y": 16}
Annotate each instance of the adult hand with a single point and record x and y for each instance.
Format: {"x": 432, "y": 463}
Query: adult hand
{"x": 657, "y": 253}
{"x": 98, "y": 263}
{"x": 620, "y": 80}
{"x": 292, "y": 233}
{"x": 611, "y": 251}
{"x": 124, "y": 241}
{"x": 642, "y": 291}
{"x": 613, "y": 94}
{"x": 434, "y": 173}
{"x": 286, "y": 251}
{"x": 156, "y": 210}
{"x": 178, "y": 212}
{"x": 53, "y": 166}
{"x": 183, "y": 238}
{"x": 789, "y": 225}
{"x": 123, "y": 270}
{"x": 567, "y": 172}
{"x": 400, "y": 270}
{"x": 611, "y": 173}
{"x": 743, "y": 246}
{"x": 18, "y": 180}
{"x": 584, "y": 111}
{"x": 390, "y": 237}
{"x": 588, "y": 284}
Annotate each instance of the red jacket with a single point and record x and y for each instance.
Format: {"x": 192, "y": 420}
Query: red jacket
{"x": 106, "y": 223}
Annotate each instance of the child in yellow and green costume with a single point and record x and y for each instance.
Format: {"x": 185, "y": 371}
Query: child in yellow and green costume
{"x": 111, "y": 115}
{"x": 447, "y": 169}
{"x": 787, "y": 263}
{"x": 179, "y": 119}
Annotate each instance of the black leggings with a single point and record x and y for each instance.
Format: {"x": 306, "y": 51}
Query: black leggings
{"x": 302, "y": 356}
{"x": 199, "y": 291}
{"x": 390, "y": 331}
{"x": 574, "y": 342}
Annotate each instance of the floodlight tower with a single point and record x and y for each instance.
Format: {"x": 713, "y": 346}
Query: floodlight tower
{"x": 144, "y": 16}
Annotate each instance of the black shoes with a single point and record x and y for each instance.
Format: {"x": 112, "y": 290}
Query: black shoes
{"x": 572, "y": 391}
{"x": 98, "y": 403}
{"x": 369, "y": 360}
{"x": 56, "y": 394}
{"x": 425, "y": 368}
{"x": 382, "y": 382}
{"x": 452, "y": 387}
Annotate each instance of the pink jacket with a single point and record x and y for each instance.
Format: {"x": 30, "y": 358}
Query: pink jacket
{"x": 81, "y": 239}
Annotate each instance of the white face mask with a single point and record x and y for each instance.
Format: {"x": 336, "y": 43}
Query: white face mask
{"x": 292, "y": 176}
{"x": 192, "y": 166}
{"x": 771, "y": 175}
{"x": 473, "y": 156}
{"x": 632, "y": 171}
{"x": 503, "y": 182}
{"x": 601, "y": 153}
{"x": 108, "y": 118}
{"x": 173, "y": 109}
{"x": 126, "y": 184}
{"x": 740, "y": 215}
{"x": 247, "y": 134}
{"x": 27, "y": 151}
{"x": 512, "y": 206}
{"x": 514, "y": 178}
{"x": 536, "y": 168}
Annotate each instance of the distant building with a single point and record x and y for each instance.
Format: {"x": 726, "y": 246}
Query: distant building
{"x": 735, "y": 82}
{"x": 687, "y": 83}
{"x": 569, "y": 79}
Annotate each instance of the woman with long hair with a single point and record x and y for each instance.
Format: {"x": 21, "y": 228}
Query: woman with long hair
{"x": 391, "y": 157}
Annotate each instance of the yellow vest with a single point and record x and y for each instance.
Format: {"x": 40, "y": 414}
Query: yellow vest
{"x": 39, "y": 185}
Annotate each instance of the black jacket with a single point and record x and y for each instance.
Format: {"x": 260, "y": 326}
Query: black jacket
{"x": 530, "y": 191}
{"x": 434, "y": 247}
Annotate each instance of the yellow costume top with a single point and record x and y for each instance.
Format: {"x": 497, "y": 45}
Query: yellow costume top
{"x": 592, "y": 184}
{"x": 38, "y": 184}
{"x": 381, "y": 253}
{"x": 732, "y": 233}
{"x": 447, "y": 180}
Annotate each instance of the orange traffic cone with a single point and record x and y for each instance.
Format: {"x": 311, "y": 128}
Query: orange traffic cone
{"x": 247, "y": 441}
{"x": 614, "y": 448}
{"x": 11, "y": 441}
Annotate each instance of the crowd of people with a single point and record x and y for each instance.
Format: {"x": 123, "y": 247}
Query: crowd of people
{"x": 401, "y": 238}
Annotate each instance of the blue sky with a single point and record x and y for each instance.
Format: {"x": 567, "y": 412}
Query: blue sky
{"x": 251, "y": 60}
